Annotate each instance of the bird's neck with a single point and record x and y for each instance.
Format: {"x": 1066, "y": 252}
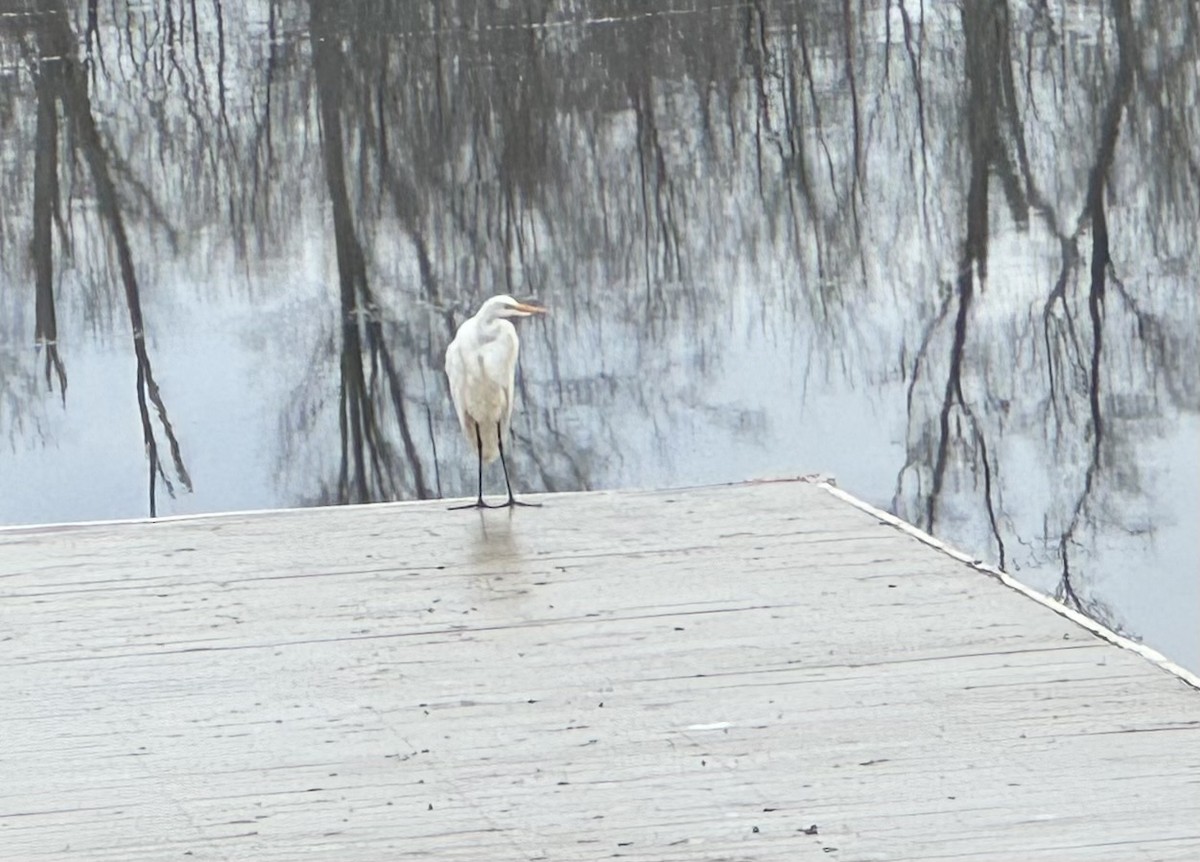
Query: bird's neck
{"x": 491, "y": 326}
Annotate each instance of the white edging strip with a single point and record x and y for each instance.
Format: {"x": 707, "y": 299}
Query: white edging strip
{"x": 1074, "y": 616}
{"x": 298, "y": 511}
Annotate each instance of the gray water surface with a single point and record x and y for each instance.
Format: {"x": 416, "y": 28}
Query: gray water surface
{"x": 947, "y": 255}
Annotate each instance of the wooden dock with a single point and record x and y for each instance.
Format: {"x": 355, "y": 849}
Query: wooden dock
{"x": 754, "y": 672}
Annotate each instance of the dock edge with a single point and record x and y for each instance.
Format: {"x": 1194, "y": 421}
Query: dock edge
{"x": 1096, "y": 628}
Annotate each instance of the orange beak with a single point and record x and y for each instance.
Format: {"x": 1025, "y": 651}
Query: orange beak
{"x": 532, "y": 309}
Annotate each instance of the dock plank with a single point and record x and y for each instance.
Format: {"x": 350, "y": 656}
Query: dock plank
{"x": 694, "y": 674}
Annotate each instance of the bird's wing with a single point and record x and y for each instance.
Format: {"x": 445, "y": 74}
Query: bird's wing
{"x": 456, "y": 374}
{"x": 500, "y": 367}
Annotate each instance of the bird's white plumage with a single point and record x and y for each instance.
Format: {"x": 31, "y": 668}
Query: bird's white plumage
{"x": 481, "y": 365}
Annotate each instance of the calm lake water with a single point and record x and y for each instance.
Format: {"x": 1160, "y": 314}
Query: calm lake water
{"x": 947, "y": 255}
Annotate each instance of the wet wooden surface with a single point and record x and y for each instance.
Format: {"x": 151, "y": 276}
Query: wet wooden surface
{"x": 709, "y": 674}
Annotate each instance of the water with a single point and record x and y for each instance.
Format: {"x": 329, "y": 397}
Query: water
{"x": 947, "y": 256}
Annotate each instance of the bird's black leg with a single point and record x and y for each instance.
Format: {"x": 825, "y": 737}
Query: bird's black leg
{"x": 512, "y": 501}
{"x": 479, "y": 504}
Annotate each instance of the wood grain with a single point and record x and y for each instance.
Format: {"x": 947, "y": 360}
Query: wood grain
{"x": 701, "y": 674}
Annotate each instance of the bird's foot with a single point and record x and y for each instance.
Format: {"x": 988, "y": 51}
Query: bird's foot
{"x": 478, "y": 504}
{"x": 510, "y": 503}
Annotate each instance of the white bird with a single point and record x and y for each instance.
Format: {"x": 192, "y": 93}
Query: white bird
{"x": 481, "y": 363}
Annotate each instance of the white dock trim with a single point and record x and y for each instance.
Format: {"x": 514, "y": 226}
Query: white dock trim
{"x": 1008, "y": 580}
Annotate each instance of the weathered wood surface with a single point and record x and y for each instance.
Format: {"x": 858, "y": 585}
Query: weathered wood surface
{"x": 694, "y": 675}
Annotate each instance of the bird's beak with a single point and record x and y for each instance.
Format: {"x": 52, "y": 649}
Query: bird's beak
{"x": 526, "y": 308}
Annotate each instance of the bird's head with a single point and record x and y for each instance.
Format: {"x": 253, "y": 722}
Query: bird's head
{"x": 505, "y": 306}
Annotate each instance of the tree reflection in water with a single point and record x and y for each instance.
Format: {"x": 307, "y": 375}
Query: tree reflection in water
{"x": 945, "y": 252}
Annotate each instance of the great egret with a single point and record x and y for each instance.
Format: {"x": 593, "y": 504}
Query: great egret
{"x": 481, "y": 363}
